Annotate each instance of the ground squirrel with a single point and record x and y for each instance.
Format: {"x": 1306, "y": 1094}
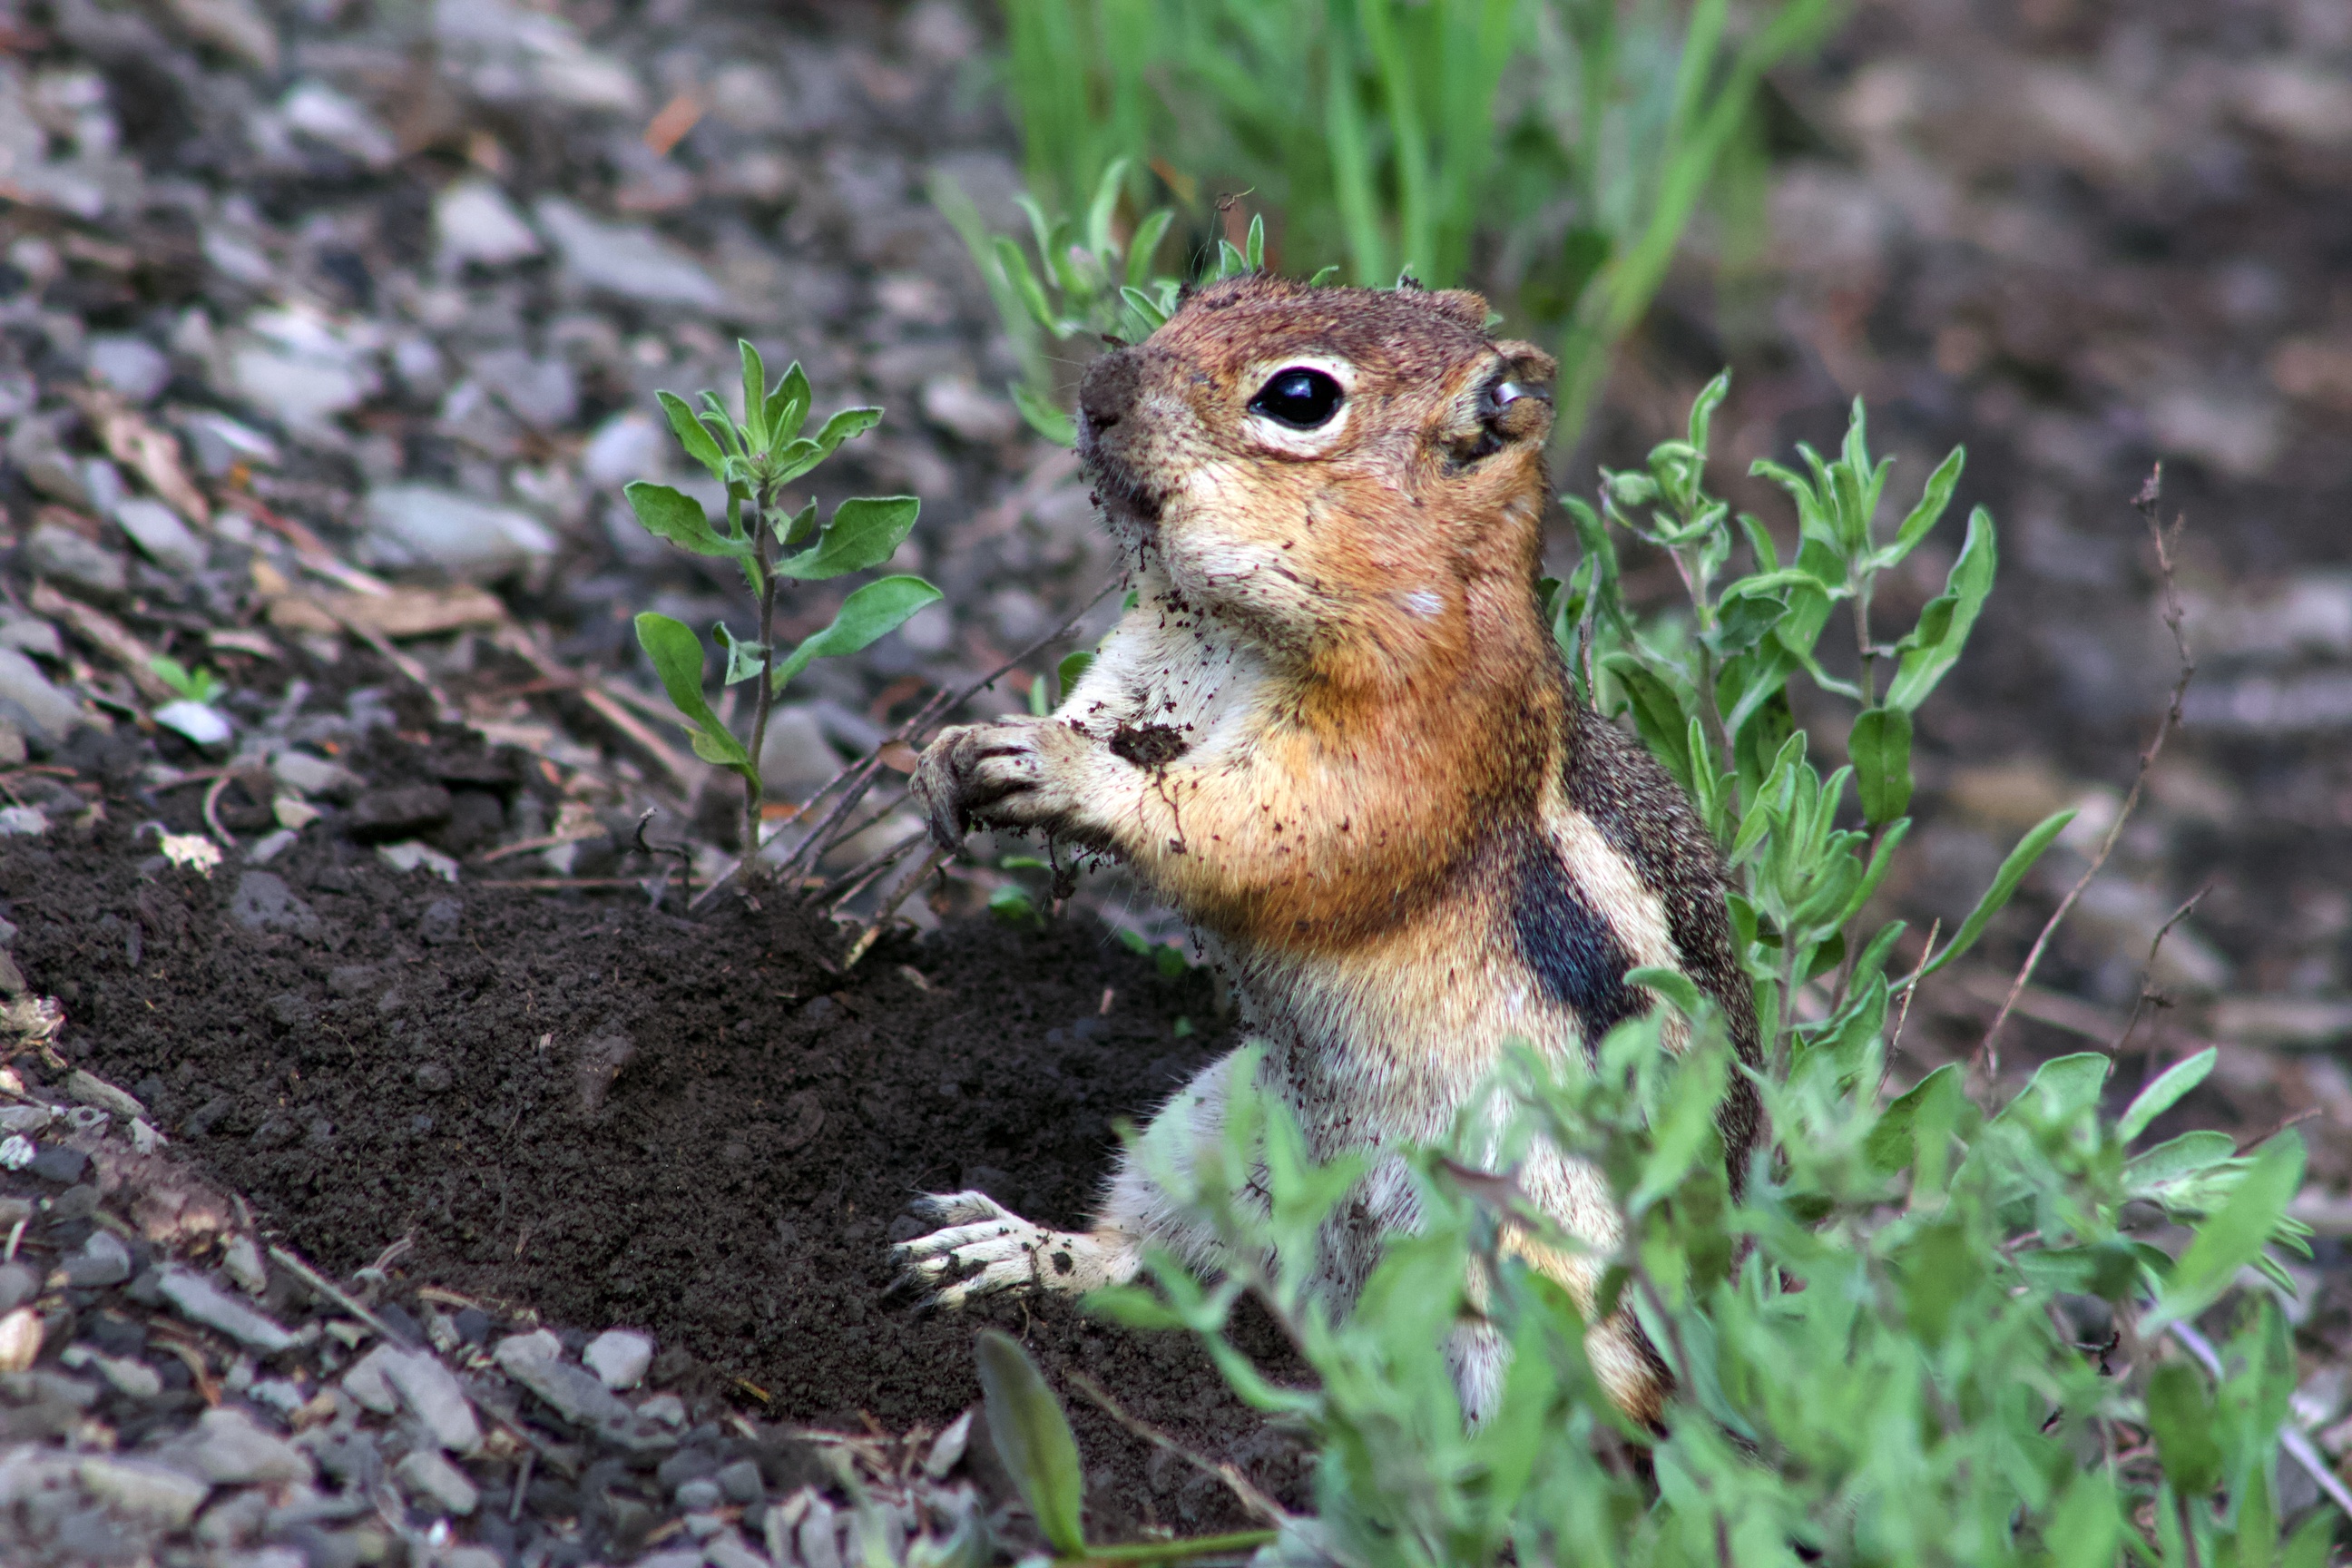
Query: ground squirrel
{"x": 1336, "y": 733}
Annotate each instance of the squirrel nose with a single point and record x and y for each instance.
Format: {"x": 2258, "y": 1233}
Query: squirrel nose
{"x": 1108, "y": 390}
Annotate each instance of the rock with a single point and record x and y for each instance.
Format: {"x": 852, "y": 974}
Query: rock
{"x": 381, "y": 815}
{"x": 536, "y": 1360}
{"x": 133, "y": 1378}
{"x": 18, "y": 1283}
{"x": 227, "y": 1447}
{"x": 626, "y": 446}
{"x": 130, "y": 364}
{"x": 303, "y": 368}
{"x": 221, "y": 443}
{"x": 507, "y": 54}
{"x": 410, "y": 855}
{"x": 620, "y": 1357}
{"x": 55, "y": 1163}
{"x": 233, "y": 26}
{"x": 52, "y": 551}
{"x": 143, "y": 1490}
{"x": 20, "y": 1339}
{"x": 54, "y": 713}
{"x": 698, "y": 1496}
{"x": 961, "y": 409}
{"x": 741, "y": 1482}
{"x": 242, "y": 1259}
{"x": 199, "y": 1300}
{"x": 367, "y": 1382}
{"x": 316, "y": 110}
{"x": 474, "y": 223}
{"x": 428, "y": 1476}
{"x": 263, "y": 902}
{"x": 158, "y": 531}
{"x": 632, "y": 263}
{"x": 34, "y": 451}
{"x": 418, "y": 525}
{"x": 796, "y": 758}
{"x": 542, "y": 393}
{"x": 432, "y": 1392}
{"x": 315, "y": 775}
{"x": 199, "y": 721}
{"x": 434, "y": 1077}
{"x": 101, "y": 1260}
{"x": 30, "y": 634}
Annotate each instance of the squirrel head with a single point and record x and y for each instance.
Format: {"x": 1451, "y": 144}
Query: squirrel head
{"x": 1325, "y": 461}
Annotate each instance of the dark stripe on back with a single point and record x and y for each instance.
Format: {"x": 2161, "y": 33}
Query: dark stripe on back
{"x": 1569, "y": 944}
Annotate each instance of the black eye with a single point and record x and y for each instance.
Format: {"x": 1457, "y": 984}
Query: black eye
{"x": 1301, "y": 399}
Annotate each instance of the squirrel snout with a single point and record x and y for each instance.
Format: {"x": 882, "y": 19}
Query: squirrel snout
{"x": 1109, "y": 389}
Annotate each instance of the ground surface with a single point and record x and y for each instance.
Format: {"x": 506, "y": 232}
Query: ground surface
{"x": 2077, "y": 239}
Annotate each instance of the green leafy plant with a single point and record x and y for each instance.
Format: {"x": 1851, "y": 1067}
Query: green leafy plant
{"x": 1093, "y": 279}
{"x": 1936, "y": 1329}
{"x": 1032, "y": 1437}
{"x": 756, "y": 456}
{"x": 198, "y": 685}
{"x": 1553, "y": 151}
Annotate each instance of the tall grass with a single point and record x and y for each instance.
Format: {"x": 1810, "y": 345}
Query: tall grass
{"x": 1553, "y": 152}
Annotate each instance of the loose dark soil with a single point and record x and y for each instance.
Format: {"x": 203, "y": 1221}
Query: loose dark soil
{"x": 613, "y": 1115}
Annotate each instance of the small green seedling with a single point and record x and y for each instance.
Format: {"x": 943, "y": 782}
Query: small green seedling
{"x": 1032, "y": 1437}
{"x": 1096, "y": 281}
{"x": 198, "y": 685}
{"x": 756, "y": 456}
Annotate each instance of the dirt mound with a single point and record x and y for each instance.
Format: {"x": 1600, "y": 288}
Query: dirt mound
{"x": 705, "y": 1129}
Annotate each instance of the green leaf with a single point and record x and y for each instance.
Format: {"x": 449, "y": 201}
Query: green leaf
{"x": 2180, "y": 1417}
{"x": 678, "y": 517}
{"x": 677, "y": 656}
{"x": 1145, "y": 240}
{"x": 1147, "y": 310}
{"x": 2004, "y": 884}
{"x": 1032, "y": 1437}
{"x": 2063, "y": 1087}
{"x": 755, "y": 393}
{"x": 874, "y": 611}
{"x": 1890, "y": 1145}
{"x": 787, "y": 406}
{"x": 1071, "y": 670}
{"x": 1024, "y": 285}
{"x": 1880, "y": 745}
{"x": 1324, "y": 276}
{"x": 1053, "y": 424}
{"x": 846, "y": 426}
{"x": 2232, "y": 1238}
{"x": 2166, "y": 1171}
{"x": 1932, "y": 502}
{"x": 690, "y": 434}
{"x": 2165, "y": 1092}
{"x": 1671, "y": 985}
{"x": 1934, "y": 645}
{"x": 744, "y": 659}
{"x": 864, "y": 531}
{"x": 1939, "y": 1266}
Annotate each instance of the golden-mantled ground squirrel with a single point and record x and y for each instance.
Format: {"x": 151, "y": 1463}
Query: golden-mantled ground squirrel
{"x": 1336, "y": 733}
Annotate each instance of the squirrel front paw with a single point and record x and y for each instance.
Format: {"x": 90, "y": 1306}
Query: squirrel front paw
{"x": 1017, "y": 772}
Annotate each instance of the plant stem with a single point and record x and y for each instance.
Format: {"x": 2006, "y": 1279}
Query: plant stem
{"x": 1172, "y": 1550}
{"x": 1861, "y": 639}
{"x": 754, "y": 788}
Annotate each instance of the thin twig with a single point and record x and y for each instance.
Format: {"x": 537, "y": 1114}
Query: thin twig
{"x": 1250, "y": 1497}
{"x": 1911, "y": 987}
{"x": 328, "y": 1288}
{"x": 212, "y": 809}
{"x": 1988, "y": 1052}
{"x": 685, "y": 858}
{"x": 2148, "y": 991}
{"x": 855, "y": 880}
{"x": 2290, "y": 1436}
{"x": 858, "y": 776}
{"x": 889, "y": 906}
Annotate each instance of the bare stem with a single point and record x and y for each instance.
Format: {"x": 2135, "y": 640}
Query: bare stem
{"x": 1987, "y": 1052}
{"x": 754, "y": 787}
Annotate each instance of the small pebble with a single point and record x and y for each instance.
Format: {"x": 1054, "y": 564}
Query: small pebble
{"x": 620, "y": 1357}
{"x": 741, "y": 1482}
{"x": 700, "y": 1495}
{"x": 426, "y": 1474}
{"x": 102, "y": 1260}
{"x": 57, "y": 1163}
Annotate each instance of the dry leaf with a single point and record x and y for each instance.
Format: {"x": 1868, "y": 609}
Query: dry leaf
{"x": 153, "y": 454}
{"x": 108, "y": 635}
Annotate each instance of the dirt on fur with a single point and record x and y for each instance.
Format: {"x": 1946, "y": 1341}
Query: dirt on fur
{"x": 703, "y": 1128}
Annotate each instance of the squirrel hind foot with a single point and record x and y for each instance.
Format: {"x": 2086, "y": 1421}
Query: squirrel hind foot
{"x": 982, "y": 1249}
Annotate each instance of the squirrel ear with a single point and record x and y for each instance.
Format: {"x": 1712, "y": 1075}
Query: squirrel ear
{"x": 1462, "y": 304}
{"x": 1530, "y": 366}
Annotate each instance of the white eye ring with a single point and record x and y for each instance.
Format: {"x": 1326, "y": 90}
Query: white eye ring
{"x": 1272, "y": 435}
